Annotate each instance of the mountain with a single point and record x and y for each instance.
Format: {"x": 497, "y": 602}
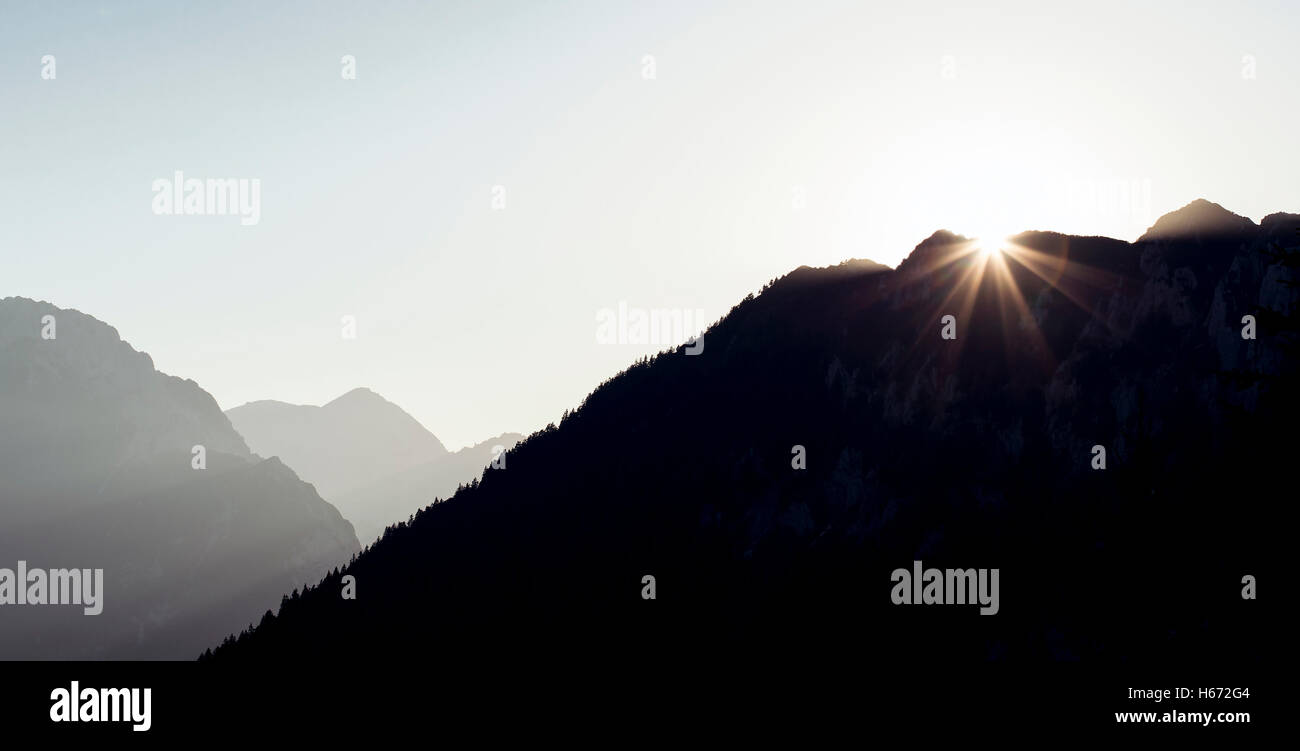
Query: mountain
{"x": 1200, "y": 219}
{"x": 979, "y": 451}
{"x": 346, "y": 444}
{"x": 98, "y": 471}
{"x": 393, "y": 498}
{"x": 364, "y": 454}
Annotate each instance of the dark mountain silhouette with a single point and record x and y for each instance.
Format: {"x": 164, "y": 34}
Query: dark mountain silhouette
{"x": 973, "y": 452}
{"x": 1200, "y": 219}
{"x": 96, "y": 471}
{"x": 373, "y": 461}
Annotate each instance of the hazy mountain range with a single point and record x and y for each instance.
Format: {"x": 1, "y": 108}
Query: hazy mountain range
{"x": 364, "y": 454}
{"x": 973, "y": 451}
{"x": 98, "y": 470}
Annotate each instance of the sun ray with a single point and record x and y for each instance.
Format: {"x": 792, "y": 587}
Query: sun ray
{"x": 1011, "y": 300}
{"x": 1060, "y": 273}
{"x": 986, "y": 264}
{"x": 966, "y": 284}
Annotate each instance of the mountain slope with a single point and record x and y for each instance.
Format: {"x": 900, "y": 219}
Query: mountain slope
{"x": 96, "y": 471}
{"x": 973, "y": 452}
{"x": 393, "y": 498}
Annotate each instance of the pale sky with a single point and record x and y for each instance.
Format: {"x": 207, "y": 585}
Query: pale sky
{"x": 771, "y": 135}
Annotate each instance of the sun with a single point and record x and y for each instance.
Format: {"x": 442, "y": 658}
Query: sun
{"x": 992, "y": 242}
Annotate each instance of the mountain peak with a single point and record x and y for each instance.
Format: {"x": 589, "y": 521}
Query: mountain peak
{"x": 929, "y": 252}
{"x": 359, "y": 395}
{"x": 344, "y": 444}
{"x": 84, "y": 364}
{"x": 1200, "y": 218}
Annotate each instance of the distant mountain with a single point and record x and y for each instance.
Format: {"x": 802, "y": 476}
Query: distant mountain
{"x": 973, "y": 452}
{"x": 349, "y": 443}
{"x": 97, "y": 470}
{"x": 394, "y": 498}
{"x": 364, "y": 454}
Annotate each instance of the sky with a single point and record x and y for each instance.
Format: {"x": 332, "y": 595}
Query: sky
{"x": 451, "y": 226}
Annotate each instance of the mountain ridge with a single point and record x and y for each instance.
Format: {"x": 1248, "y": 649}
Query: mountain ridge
{"x": 974, "y": 451}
